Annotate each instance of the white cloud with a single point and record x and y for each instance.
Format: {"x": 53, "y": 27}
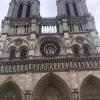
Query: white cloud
{"x": 48, "y": 9}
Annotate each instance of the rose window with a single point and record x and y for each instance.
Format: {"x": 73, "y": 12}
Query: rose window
{"x": 50, "y": 49}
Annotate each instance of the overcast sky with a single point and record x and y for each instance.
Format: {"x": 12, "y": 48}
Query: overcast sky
{"x": 48, "y": 9}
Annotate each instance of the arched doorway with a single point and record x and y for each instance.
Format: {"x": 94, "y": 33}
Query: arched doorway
{"x": 90, "y": 89}
{"x": 10, "y": 91}
{"x": 51, "y": 87}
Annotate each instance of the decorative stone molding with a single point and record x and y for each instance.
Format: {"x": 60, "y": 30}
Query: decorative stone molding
{"x": 18, "y": 42}
{"x": 79, "y": 40}
{"x": 9, "y": 39}
{"x": 39, "y": 64}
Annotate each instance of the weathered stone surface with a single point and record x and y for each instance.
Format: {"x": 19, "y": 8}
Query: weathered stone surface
{"x": 73, "y": 73}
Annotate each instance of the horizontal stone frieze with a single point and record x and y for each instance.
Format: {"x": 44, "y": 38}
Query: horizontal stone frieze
{"x": 49, "y": 65}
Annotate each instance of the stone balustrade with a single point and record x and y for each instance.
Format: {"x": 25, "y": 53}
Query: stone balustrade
{"x": 49, "y": 26}
{"x": 40, "y": 64}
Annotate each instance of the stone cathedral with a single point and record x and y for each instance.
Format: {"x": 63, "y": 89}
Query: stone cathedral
{"x": 53, "y": 58}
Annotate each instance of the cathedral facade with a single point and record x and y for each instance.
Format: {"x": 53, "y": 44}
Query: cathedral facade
{"x": 55, "y": 58}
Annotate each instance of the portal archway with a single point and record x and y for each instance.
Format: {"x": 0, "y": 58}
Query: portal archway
{"x": 10, "y": 91}
{"x": 51, "y": 87}
{"x": 90, "y": 88}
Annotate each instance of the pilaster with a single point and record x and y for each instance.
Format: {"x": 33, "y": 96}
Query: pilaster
{"x": 33, "y": 25}
{"x": 81, "y": 9}
{"x": 65, "y": 26}
{"x": 24, "y": 11}
{"x": 11, "y": 9}
{"x": 85, "y": 7}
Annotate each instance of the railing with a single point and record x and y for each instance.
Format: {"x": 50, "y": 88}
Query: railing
{"x": 49, "y": 26}
{"x": 40, "y": 64}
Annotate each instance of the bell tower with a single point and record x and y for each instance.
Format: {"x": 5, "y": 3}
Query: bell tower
{"x": 72, "y": 8}
{"x": 24, "y": 9}
{"x": 21, "y": 21}
{"x": 76, "y": 9}
{"x": 77, "y": 22}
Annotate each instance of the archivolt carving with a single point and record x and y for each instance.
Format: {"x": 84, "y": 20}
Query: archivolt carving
{"x": 80, "y": 41}
{"x": 51, "y": 87}
{"x": 51, "y": 38}
{"x": 17, "y": 43}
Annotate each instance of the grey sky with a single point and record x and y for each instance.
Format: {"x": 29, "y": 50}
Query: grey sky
{"x": 48, "y": 9}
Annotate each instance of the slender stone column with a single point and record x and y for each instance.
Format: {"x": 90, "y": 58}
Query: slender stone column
{"x": 32, "y": 9}
{"x": 75, "y": 94}
{"x": 28, "y": 95}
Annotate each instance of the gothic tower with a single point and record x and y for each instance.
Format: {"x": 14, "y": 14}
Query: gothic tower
{"x": 49, "y": 58}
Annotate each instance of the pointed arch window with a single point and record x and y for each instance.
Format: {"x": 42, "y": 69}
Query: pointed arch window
{"x": 23, "y": 53}
{"x": 86, "y": 50}
{"x": 75, "y": 9}
{"x": 20, "y": 10}
{"x": 13, "y": 54}
{"x": 68, "y": 10}
{"x": 28, "y": 11}
{"x": 76, "y": 50}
